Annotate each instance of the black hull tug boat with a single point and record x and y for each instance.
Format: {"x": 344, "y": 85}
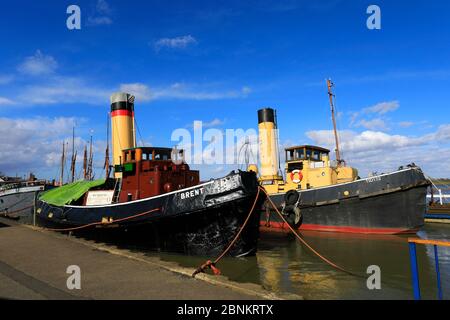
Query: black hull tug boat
{"x": 315, "y": 194}
{"x": 154, "y": 194}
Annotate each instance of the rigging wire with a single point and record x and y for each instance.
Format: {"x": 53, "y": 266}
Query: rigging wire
{"x": 139, "y": 132}
{"x": 248, "y": 153}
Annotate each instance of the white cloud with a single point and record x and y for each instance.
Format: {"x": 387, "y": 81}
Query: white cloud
{"x": 35, "y": 144}
{"x": 29, "y": 143}
{"x": 213, "y": 123}
{"x": 374, "y": 124}
{"x": 6, "y": 102}
{"x": 175, "y": 43}
{"x": 139, "y": 90}
{"x": 379, "y": 151}
{"x": 443, "y": 133}
{"x": 406, "y": 124}
{"x": 383, "y": 107}
{"x": 38, "y": 64}
{"x": 67, "y": 90}
{"x": 364, "y": 141}
{"x": 366, "y": 117}
{"x": 64, "y": 90}
{"x": 182, "y": 91}
{"x": 206, "y": 124}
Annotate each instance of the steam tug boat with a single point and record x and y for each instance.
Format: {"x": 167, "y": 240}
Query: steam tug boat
{"x": 317, "y": 195}
{"x": 154, "y": 190}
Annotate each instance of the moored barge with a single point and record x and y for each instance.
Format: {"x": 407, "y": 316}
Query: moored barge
{"x": 17, "y": 198}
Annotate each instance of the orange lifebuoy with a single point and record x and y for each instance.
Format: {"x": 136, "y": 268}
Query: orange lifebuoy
{"x": 300, "y": 176}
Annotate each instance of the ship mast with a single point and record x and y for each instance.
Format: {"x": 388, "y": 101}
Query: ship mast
{"x": 89, "y": 170}
{"x": 61, "y": 178}
{"x": 74, "y": 156}
{"x": 106, "y": 166}
{"x": 85, "y": 163}
{"x": 331, "y": 97}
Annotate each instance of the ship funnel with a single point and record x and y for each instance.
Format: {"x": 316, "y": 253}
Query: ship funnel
{"x": 268, "y": 145}
{"x": 122, "y": 126}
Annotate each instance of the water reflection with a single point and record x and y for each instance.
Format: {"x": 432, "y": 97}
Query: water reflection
{"x": 283, "y": 265}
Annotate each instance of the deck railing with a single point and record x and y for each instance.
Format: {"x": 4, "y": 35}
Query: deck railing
{"x": 415, "y": 267}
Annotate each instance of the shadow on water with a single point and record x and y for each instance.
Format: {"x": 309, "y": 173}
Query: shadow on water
{"x": 283, "y": 265}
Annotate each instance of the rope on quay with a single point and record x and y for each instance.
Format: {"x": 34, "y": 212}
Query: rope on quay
{"x": 212, "y": 264}
{"x": 303, "y": 241}
{"x": 103, "y": 223}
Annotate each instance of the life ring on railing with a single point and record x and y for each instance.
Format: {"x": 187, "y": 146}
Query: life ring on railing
{"x": 300, "y": 176}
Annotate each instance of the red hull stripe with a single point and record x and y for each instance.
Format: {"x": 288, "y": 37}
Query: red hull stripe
{"x": 121, "y": 113}
{"x": 346, "y": 229}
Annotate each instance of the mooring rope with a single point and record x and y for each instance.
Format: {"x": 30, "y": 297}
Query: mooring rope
{"x": 104, "y": 223}
{"x": 8, "y": 213}
{"x": 212, "y": 264}
{"x": 303, "y": 241}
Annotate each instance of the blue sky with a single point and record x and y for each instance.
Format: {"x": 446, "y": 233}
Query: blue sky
{"x": 219, "y": 62}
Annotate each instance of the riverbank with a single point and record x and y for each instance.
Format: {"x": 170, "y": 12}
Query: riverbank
{"x": 33, "y": 265}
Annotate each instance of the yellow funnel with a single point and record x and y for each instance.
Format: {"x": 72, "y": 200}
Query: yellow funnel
{"x": 122, "y": 126}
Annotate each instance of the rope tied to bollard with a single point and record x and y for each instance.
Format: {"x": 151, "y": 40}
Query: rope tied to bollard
{"x": 212, "y": 264}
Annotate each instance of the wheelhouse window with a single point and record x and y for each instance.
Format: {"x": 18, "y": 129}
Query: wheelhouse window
{"x": 299, "y": 154}
{"x": 308, "y": 153}
{"x": 290, "y": 155}
{"x": 316, "y": 155}
{"x": 162, "y": 155}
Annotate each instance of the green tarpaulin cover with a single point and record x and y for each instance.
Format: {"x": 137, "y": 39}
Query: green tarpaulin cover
{"x": 70, "y": 192}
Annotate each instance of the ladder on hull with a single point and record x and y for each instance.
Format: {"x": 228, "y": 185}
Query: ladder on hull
{"x": 117, "y": 189}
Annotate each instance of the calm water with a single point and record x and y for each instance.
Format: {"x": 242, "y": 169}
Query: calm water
{"x": 283, "y": 265}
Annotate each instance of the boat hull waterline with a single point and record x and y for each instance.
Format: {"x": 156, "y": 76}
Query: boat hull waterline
{"x": 391, "y": 203}
{"x": 200, "y": 220}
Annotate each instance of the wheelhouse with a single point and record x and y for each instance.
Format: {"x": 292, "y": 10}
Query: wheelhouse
{"x": 150, "y": 171}
{"x": 306, "y": 152}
